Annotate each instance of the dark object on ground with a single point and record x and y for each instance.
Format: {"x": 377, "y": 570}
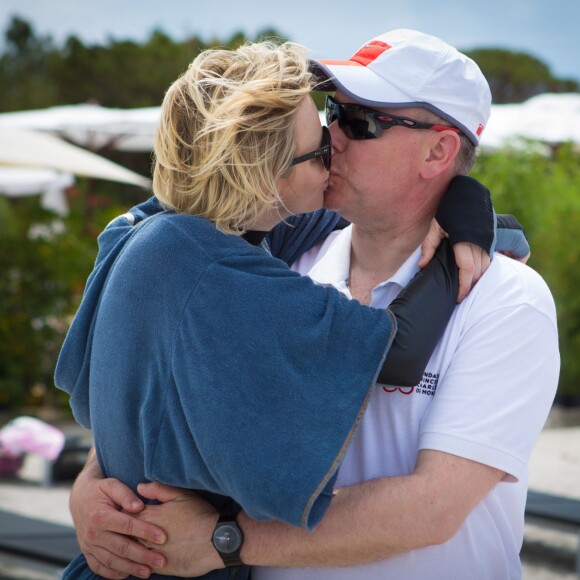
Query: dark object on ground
{"x": 37, "y": 540}
{"x": 554, "y": 511}
{"x": 70, "y": 462}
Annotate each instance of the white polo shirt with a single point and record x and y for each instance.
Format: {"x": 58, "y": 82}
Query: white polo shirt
{"x": 485, "y": 396}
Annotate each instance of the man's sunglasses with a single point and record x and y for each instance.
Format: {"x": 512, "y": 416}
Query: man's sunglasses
{"x": 358, "y": 122}
{"x": 324, "y": 153}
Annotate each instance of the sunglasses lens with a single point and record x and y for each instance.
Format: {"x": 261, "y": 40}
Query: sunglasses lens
{"x": 359, "y": 125}
{"x": 356, "y": 122}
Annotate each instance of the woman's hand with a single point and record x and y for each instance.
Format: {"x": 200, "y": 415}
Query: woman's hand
{"x": 471, "y": 260}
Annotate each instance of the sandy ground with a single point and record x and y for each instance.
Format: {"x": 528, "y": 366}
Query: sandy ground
{"x": 547, "y": 554}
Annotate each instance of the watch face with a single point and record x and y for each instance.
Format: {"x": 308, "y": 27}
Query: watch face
{"x": 227, "y": 538}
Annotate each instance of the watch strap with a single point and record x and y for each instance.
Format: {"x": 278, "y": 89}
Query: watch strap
{"x": 229, "y": 517}
{"x": 231, "y": 560}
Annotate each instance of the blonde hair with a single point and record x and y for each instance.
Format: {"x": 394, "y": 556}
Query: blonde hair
{"x": 226, "y": 132}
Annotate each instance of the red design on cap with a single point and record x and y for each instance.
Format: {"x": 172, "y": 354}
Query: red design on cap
{"x": 370, "y": 52}
{"x": 479, "y": 130}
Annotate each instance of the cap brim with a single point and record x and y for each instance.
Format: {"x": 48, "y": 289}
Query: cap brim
{"x": 324, "y": 80}
{"x": 360, "y": 83}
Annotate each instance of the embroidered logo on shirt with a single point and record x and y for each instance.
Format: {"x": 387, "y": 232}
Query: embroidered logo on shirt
{"x": 427, "y": 386}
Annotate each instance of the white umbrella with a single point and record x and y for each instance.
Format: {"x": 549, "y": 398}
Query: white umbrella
{"x": 550, "y": 118}
{"x": 500, "y": 127}
{"x": 553, "y": 118}
{"x": 32, "y": 149}
{"x": 50, "y": 184}
{"x": 92, "y": 126}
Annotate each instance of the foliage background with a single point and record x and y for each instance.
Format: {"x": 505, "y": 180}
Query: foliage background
{"x": 45, "y": 260}
{"x": 543, "y": 191}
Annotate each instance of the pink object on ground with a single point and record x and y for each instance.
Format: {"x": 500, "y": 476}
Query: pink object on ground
{"x": 30, "y": 435}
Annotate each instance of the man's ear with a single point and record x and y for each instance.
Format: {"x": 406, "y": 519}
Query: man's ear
{"x": 443, "y": 150}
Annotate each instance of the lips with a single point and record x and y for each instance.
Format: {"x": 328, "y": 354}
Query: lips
{"x": 333, "y": 178}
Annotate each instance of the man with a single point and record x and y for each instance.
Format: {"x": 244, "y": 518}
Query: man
{"x": 434, "y": 484}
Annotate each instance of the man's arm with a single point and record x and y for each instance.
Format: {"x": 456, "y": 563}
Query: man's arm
{"x": 370, "y": 521}
{"x": 367, "y": 522}
{"x": 380, "y": 518}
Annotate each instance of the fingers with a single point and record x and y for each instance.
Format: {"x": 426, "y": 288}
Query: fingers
{"x": 160, "y": 492}
{"x": 121, "y": 495}
{"x": 472, "y": 262}
{"x": 115, "y": 556}
{"x": 105, "y": 572}
{"x": 431, "y": 243}
{"x": 105, "y": 513}
{"x": 427, "y": 253}
{"x": 107, "y": 519}
{"x": 465, "y": 281}
{"x": 468, "y": 268}
{"x": 107, "y": 564}
{"x": 478, "y": 265}
{"x": 485, "y": 263}
{"x": 111, "y": 550}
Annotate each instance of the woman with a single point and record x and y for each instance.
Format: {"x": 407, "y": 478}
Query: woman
{"x": 196, "y": 358}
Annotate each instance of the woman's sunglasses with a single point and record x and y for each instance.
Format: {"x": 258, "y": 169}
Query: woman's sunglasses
{"x": 358, "y": 122}
{"x": 324, "y": 153}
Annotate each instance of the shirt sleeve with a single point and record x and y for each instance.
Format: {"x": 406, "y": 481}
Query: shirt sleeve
{"x": 299, "y": 233}
{"x": 296, "y": 365}
{"x": 494, "y": 398}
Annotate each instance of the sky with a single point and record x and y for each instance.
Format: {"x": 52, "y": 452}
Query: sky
{"x": 546, "y": 29}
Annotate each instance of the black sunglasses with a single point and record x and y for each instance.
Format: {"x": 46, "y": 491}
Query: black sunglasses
{"x": 324, "y": 153}
{"x": 358, "y": 122}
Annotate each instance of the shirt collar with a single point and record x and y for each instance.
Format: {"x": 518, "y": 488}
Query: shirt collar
{"x": 407, "y": 270}
{"x": 332, "y": 269}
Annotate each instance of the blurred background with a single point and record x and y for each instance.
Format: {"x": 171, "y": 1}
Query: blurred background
{"x": 80, "y": 88}
{"x": 94, "y": 74}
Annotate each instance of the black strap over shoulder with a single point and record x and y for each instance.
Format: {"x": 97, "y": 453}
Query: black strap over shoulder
{"x": 422, "y": 310}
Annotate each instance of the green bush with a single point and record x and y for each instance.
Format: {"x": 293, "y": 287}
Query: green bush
{"x": 45, "y": 261}
{"x": 543, "y": 192}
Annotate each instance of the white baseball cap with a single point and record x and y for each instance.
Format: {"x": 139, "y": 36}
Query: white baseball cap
{"x": 405, "y": 68}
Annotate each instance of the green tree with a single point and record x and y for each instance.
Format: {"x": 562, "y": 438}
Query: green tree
{"x": 271, "y": 34}
{"x": 542, "y": 191}
{"x": 24, "y": 68}
{"x": 516, "y": 76}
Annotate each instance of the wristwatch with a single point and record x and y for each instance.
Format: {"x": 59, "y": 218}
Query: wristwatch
{"x": 228, "y": 540}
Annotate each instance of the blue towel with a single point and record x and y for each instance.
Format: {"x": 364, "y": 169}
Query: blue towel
{"x": 202, "y": 362}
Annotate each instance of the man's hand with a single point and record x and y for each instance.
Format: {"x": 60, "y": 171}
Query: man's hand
{"x": 471, "y": 260}
{"x": 189, "y": 522}
{"x": 106, "y": 530}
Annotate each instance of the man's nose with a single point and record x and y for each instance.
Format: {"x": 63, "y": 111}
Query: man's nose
{"x": 339, "y": 139}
